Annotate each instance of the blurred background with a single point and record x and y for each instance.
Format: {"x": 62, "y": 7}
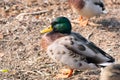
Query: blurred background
{"x": 20, "y": 25}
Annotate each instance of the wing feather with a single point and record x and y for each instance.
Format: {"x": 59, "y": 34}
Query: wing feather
{"x": 79, "y": 45}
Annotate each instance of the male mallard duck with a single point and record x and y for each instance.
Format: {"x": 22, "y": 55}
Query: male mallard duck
{"x": 87, "y": 9}
{"x": 111, "y": 72}
{"x": 70, "y": 48}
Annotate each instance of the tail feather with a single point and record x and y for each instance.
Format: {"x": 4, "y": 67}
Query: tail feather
{"x": 105, "y": 12}
{"x": 105, "y": 64}
{"x": 111, "y": 59}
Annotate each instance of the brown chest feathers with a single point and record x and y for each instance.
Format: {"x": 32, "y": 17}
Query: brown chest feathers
{"x": 77, "y": 4}
{"x": 49, "y": 38}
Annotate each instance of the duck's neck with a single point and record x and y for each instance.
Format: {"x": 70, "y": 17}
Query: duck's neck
{"x": 49, "y": 38}
{"x": 52, "y": 36}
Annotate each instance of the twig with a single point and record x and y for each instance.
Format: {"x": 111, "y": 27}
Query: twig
{"x": 34, "y": 13}
{"x": 9, "y": 40}
{"x": 89, "y": 36}
{"x": 20, "y": 16}
{"x": 75, "y": 21}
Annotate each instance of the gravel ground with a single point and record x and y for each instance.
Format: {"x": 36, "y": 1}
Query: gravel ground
{"x": 20, "y": 36}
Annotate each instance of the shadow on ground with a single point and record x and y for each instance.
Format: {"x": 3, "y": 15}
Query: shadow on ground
{"x": 110, "y": 24}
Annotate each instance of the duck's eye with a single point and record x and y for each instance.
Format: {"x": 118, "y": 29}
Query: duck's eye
{"x": 54, "y": 23}
{"x": 55, "y": 29}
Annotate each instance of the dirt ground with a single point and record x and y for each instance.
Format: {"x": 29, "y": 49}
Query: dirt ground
{"x": 20, "y": 25}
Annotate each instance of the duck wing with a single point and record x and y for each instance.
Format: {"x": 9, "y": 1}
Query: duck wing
{"x": 79, "y": 45}
{"x": 99, "y": 3}
{"x": 90, "y": 45}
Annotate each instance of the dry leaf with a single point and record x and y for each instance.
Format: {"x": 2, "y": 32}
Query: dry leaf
{"x": 1, "y": 54}
{"x": 29, "y": 2}
{"x": 1, "y": 36}
{"x": 2, "y": 12}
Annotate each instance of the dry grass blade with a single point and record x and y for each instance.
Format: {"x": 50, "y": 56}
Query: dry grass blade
{"x": 20, "y": 16}
{"x": 1, "y": 36}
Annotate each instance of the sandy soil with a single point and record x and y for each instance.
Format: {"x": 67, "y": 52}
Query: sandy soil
{"x": 20, "y": 36}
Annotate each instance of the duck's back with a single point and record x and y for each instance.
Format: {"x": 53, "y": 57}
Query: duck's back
{"x": 74, "y": 50}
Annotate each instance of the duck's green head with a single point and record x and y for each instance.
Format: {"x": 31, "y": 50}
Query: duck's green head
{"x": 59, "y": 24}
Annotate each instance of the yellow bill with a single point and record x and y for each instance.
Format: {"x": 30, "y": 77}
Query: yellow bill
{"x": 4, "y": 70}
{"x": 48, "y": 29}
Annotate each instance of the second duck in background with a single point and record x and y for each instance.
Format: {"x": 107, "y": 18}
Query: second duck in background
{"x": 87, "y": 9}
